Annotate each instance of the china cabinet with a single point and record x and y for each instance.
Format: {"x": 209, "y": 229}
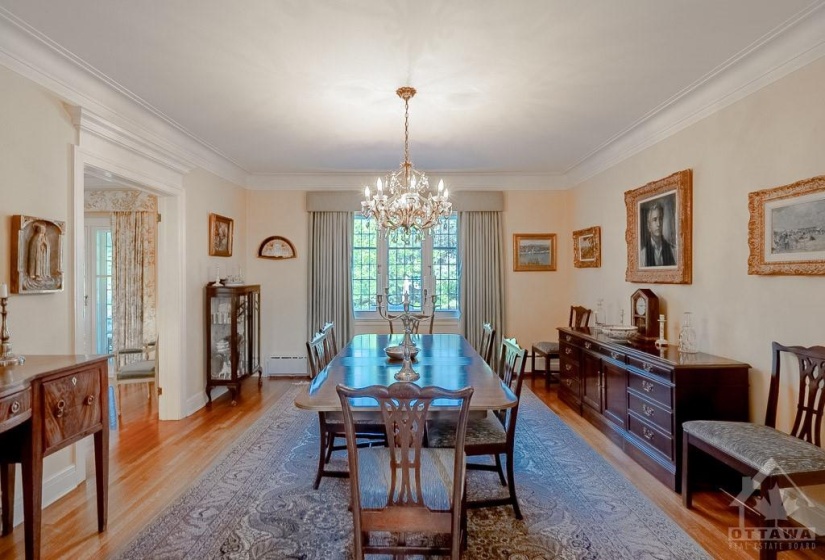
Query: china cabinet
{"x": 233, "y": 337}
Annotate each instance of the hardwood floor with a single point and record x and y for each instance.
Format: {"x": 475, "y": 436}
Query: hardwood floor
{"x": 153, "y": 462}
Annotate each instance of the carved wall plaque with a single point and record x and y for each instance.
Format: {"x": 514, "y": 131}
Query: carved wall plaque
{"x": 36, "y": 255}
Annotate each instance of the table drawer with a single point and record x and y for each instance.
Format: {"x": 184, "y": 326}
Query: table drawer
{"x": 72, "y": 407}
{"x": 651, "y": 412}
{"x": 651, "y": 389}
{"x": 15, "y": 409}
{"x": 651, "y": 436}
{"x": 651, "y": 368}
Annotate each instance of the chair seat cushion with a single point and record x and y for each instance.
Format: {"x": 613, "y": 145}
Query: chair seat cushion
{"x": 759, "y": 447}
{"x": 480, "y": 431}
{"x": 546, "y": 347}
{"x": 143, "y": 368}
{"x": 375, "y": 477}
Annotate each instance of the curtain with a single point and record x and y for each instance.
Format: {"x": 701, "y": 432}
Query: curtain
{"x": 330, "y": 273}
{"x": 481, "y": 260}
{"x": 133, "y": 279}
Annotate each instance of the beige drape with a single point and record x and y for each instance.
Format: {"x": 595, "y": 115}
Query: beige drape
{"x": 330, "y": 273}
{"x": 134, "y": 279}
{"x": 481, "y": 260}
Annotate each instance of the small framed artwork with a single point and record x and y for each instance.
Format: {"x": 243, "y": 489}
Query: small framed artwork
{"x": 36, "y": 255}
{"x": 221, "y": 230}
{"x": 587, "y": 247}
{"x": 786, "y": 231}
{"x": 659, "y": 231}
{"x": 534, "y": 251}
{"x": 276, "y": 247}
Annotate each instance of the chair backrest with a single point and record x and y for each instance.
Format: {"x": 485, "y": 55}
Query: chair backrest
{"x": 809, "y": 407}
{"x": 488, "y": 334}
{"x": 332, "y": 343}
{"x": 404, "y": 408}
{"x": 317, "y": 354}
{"x": 511, "y": 370}
{"x": 579, "y": 316}
{"x": 139, "y": 362}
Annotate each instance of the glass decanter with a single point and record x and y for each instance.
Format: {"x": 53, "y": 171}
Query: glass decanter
{"x": 687, "y": 335}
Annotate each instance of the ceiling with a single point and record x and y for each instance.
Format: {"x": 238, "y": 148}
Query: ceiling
{"x": 297, "y": 86}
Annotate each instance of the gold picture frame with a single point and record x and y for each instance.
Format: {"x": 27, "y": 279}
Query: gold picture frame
{"x": 221, "y": 230}
{"x": 276, "y": 247}
{"x": 534, "y": 252}
{"x": 659, "y": 231}
{"x": 786, "y": 230}
{"x": 587, "y": 247}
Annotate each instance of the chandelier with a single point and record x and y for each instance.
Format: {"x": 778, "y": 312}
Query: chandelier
{"x": 404, "y": 206}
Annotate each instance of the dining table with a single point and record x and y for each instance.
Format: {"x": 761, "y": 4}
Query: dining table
{"x": 443, "y": 360}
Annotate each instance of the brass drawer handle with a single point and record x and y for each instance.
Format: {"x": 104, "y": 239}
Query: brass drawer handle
{"x": 647, "y": 386}
{"x": 15, "y": 407}
{"x": 568, "y": 351}
{"x": 61, "y": 405}
{"x": 648, "y": 410}
{"x": 615, "y": 355}
{"x": 568, "y": 382}
{"x": 89, "y": 400}
{"x": 568, "y": 367}
{"x": 648, "y": 433}
{"x": 568, "y": 338}
{"x": 646, "y": 366}
{"x": 588, "y": 345}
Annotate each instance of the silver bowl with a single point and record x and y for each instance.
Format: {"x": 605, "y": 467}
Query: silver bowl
{"x": 397, "y": 352}
{"x": 620, "y": 332}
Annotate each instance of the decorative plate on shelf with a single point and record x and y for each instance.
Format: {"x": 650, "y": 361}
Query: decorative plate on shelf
{"x": 397, "y": 352}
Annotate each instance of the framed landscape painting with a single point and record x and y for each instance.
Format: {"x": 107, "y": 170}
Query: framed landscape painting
{"x": 786, "y": 231}
{"x": 587, "y": 247}
{"x": 659, "y": 231}
{"x": 534, "y": 251}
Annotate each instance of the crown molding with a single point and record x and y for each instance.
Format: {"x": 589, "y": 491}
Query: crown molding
{"x": 455, "y": 181}
{"x": 797, "y": 43}
{"x": 36, "y": 57}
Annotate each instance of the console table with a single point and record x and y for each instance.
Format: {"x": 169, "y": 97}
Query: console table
{"x": 640, "y": 395}
{"x": 46, "y": 404}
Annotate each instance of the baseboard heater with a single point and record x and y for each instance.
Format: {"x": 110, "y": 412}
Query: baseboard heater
{"x": 286, "y": 365}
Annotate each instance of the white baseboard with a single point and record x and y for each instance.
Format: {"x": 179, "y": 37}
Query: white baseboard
{"x": 54, "y": 488}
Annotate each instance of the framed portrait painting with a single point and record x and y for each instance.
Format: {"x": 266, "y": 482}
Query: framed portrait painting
{"x": 659, "y": 231}
{"x": 587, "y": 247}
{"x": 534, "y": 251}
{"x": 220, "y": 235}
{"x": 786, "y": 231}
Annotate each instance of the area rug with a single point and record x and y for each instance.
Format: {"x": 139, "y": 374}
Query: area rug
{"x": 257, "y": 502}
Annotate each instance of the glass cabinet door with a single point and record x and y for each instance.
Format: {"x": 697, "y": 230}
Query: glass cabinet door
{"x": 220, "y": 351}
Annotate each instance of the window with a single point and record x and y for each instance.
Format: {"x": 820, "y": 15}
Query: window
{"x": 99, "y": 285}
{"x": 430, "y": 264}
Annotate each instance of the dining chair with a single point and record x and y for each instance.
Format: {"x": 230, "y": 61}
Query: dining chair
{"x": 485, "y": 349}
{"x": 136, "y": 365}
{"x": 406, "y": 487}
{"x": 495, "y": 433}
{"x": 332, "y": 344}
{"x": 770, "y": 458}
{"x": 331, "y": 424}
{"x": 579, "y": 317}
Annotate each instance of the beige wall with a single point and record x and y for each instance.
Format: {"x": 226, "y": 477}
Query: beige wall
{"x": 205, "y": 194}
{"x": 771, "y": 138}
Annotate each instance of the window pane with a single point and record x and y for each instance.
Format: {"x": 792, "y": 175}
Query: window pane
{"x": 445, "y": 264}
{"x": 404, "y": 269}
{"x": 103, "y": 291}
{"x": 364, "y": 264}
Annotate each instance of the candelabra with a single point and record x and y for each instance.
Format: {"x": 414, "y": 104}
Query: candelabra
{"x": 406, "y": 373}
{"x": 7, "y": 358}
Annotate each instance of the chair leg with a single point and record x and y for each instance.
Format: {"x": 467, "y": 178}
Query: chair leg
{"x": 500, "y": 470}
{"x": 118, "y": 399}
{"x": 511, "y": 482}
{"x": 321, "y": 452}
{"x": 687, "y": 491}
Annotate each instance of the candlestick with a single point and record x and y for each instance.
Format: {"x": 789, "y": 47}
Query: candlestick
{"x": 4, "y": 290}
{"x": 661, "y": 342}
{"x": 7, "y": 358}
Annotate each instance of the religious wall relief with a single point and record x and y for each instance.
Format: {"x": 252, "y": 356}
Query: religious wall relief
{"x": 36, "y": 255}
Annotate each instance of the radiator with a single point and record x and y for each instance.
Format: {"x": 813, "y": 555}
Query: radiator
{"x": 286, "y": 365}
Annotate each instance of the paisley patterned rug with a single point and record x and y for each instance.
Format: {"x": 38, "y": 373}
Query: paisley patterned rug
{"x": 257, "y": 502}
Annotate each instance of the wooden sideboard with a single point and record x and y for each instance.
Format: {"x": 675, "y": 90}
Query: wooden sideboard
{"x": 46, "y": 404}
{"x": 640, "y": 396}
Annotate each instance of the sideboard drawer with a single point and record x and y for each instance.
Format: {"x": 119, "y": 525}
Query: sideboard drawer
{"x": 650, "y": 367}
{"x": 568, "y": 352}
{"x": 15, "y": 409}
{"x": 71, "y": 407}
{"x": 651, "y": 412}
{"x": 651, "y": 389}
{"x": 651, "y": 436}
